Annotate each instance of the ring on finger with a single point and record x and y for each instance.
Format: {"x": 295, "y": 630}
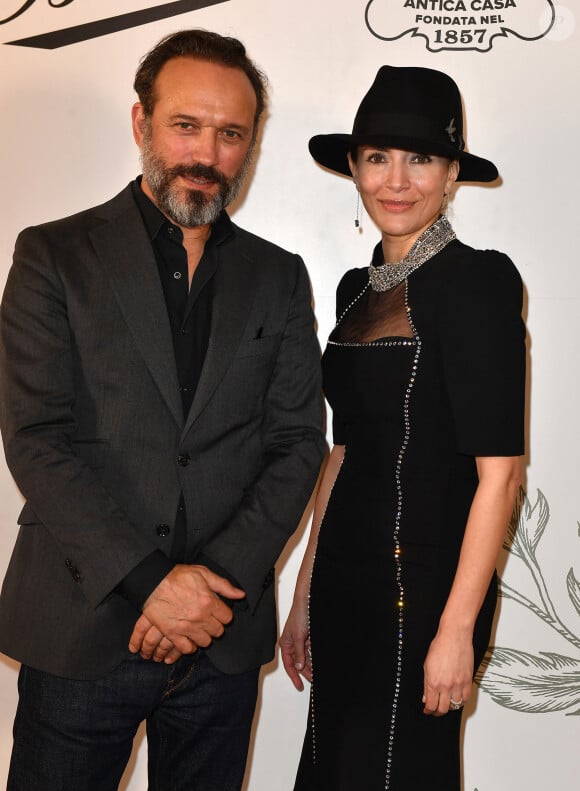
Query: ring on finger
{"x": 455, "y": 705}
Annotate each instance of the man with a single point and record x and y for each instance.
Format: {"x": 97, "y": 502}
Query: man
{"x": 161, "y": 414}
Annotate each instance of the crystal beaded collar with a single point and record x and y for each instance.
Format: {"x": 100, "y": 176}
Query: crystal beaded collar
{"x": 431, "y": 241}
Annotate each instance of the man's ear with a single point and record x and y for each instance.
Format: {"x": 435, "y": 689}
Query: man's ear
{"x": 138, "y": 121}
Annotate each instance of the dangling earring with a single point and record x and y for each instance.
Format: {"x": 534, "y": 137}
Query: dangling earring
{"x": 444, "y": 203}
{"x": 357, "y": 218}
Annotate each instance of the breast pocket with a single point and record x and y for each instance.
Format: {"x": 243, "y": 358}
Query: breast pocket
{"x": 259, "y": 345}
{"x": 248, "y": 376}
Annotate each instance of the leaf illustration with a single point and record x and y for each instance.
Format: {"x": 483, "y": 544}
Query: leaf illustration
{"x": 510, "y": 540}
{"x": 528, "y": 683}
{"x": 527, "y": 525}
{"x": 573, "y": 590}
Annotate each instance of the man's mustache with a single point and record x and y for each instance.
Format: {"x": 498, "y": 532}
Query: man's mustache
{"x": 198, "y": 171}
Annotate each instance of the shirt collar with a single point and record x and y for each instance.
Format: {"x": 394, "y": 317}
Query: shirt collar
{"x": 154, "y": 219}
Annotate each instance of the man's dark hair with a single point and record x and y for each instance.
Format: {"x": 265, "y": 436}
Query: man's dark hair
{"x": 199, "y": 45}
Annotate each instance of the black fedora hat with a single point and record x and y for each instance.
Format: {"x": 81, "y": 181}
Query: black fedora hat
{"x": 410, "y": 108}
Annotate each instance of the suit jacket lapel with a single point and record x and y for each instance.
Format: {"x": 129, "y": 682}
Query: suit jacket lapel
{"x": 232, "y": 302}
{"x": 125, "y": 251}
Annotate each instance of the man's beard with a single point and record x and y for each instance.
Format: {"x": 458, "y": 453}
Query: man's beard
{"x": 188, "y": 207}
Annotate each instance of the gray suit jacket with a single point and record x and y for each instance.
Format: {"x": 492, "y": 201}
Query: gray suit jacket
{"x": 95, "y": 438}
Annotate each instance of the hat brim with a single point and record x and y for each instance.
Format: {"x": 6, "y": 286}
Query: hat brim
{"x": 330, "y": 151}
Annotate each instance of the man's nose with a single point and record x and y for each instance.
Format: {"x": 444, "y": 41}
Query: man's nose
{"x": 205, "y": 149}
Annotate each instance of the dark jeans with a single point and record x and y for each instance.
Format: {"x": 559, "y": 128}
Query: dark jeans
{"x": 77, "y": 735}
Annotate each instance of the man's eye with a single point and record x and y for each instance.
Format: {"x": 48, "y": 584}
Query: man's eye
{"x": 231, "y": 134}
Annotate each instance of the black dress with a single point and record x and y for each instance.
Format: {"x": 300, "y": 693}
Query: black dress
{"x": 421, "y": 379}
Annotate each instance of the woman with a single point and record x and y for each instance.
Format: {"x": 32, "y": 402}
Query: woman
{"x": 425, "y": 375}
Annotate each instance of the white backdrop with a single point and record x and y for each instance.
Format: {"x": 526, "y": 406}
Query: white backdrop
{"x": 66, "y": 144}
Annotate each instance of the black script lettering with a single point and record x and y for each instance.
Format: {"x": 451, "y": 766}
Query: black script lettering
{"x": 16, "y": 14}
{"x": 28, "y": 4}
{"x": 113, "y": 24}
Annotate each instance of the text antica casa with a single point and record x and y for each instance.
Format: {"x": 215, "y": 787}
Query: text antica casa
{"x": 460, "y": 5}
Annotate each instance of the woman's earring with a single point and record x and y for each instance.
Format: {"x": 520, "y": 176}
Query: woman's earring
{"x": 357, "y": 219}
{"x": 445, "y": 203}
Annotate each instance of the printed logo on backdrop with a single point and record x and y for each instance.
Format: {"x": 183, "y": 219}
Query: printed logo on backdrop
{"x": 460, "y": 24}
{"x": 97, "y": 28}
{"x": 544, "y": 681}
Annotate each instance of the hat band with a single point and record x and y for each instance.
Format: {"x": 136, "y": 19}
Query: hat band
{"x": 412, "y": 126}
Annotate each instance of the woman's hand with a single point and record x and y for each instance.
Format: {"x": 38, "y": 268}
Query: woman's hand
{"x": 449, "y": 663}
{"x": 295, "y": 646}
{"x": 448, "y": 671}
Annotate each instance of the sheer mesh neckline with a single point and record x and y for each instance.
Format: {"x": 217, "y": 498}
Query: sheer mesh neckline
{"x": 380, "y": 313}
{"x": 376, "y": 318}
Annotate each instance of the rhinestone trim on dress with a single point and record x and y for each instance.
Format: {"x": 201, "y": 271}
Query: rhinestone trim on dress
{"x": 311, "y": 702}
{"x": 415, "y": 341}
{"x": 379, "y": 342}
{"x": 351, "y": 304}
{"x": 431, "y": 241}
{"x": 396, "y": 536}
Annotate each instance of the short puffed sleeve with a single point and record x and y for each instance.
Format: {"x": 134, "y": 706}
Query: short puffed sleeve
{"x": 482, "y": 342}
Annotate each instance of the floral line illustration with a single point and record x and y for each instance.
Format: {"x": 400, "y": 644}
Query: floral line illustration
{"x": 518, "y": 680}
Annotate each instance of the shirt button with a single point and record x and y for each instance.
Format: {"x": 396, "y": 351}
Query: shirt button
{"x": 163, "y": 530}
{"x": 183, "y": 460}
{"x": 185, "y": 332}
{"x": 177, "y": 275}
{"x": 170, "y": 230}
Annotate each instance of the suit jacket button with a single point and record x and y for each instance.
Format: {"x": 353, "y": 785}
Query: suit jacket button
{"x": 163, "y": 530}
{"x": 183, "y": 460}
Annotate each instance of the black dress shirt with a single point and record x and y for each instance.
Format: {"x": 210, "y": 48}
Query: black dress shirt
{"x": 189, "y": 312}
